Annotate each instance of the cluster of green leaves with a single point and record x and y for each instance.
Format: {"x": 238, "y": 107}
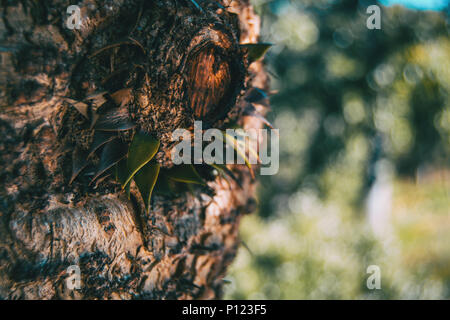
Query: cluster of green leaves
{"x": 127, "y": 162}
{"x": 139, "y": 166}
{"x": 135, "y": 162}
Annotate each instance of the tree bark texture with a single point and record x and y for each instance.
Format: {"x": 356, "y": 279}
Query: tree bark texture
{"x": 181, "y": 248}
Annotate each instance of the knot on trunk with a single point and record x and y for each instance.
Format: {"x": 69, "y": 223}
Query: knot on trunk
{"x": 215, "y": 76}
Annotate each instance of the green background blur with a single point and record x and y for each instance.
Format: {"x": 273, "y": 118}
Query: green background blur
{"x": 364, "y": 179}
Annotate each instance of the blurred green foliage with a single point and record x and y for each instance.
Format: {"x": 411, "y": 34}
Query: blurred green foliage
{"x": 364, "y": 118}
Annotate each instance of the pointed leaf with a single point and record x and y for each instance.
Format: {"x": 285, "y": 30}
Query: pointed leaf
{"x": 142, "y": 149}
{"x": 256, "y": 50}
{"x": 185, "y": 173}
{"x": 94, "y": 119}
{"x": 100, "y": 138}
{"x": 128, "y": 190}
{"x": 78, "y": 163}
{"x": 145, "y": 180}
{"x": 112, "y": 153}
{"x": 180, "y": 187}
{"x": 164, "y": 185}
{"x": 231, "y": 141}
{"x": 241, "y": 144}
{"x": 122, "y": 174}
{"x": 122, "y": 171}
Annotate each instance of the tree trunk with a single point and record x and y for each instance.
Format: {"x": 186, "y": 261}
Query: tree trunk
{"x": 49, "y": 219}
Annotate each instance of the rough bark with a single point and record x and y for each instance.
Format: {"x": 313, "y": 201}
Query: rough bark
{"x": 182, "y": 247}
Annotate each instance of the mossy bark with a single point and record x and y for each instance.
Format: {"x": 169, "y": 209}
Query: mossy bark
{"x": 182, "y": 247}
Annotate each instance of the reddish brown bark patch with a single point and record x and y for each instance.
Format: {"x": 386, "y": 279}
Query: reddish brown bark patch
{"x": 209, "y": 82}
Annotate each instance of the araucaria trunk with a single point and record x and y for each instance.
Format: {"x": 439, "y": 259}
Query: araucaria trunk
{"x": 71, "y": 101}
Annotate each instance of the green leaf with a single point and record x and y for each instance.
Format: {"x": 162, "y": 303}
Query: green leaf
{"x": 122, "y": 174}
{"x": 231, "y": 141}
{"x": 100, "y": 138}
{"x": 164, "y": 185}
{"x": 142, "y": 149}
{"x": 128, "y": 190}
{"x": 112, "y": 153}
{"x": 256, "y": 50}
{"x": 78, "y": 163}
{"x": 185, "y": 173}
{"x": 145, "y": 180}
{"x": 178, "y": 187}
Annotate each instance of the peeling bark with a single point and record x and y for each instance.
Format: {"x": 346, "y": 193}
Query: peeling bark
{"x": 182, "y": 247}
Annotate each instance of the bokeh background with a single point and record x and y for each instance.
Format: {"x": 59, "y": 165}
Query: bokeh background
{"x": 364, "y": 119}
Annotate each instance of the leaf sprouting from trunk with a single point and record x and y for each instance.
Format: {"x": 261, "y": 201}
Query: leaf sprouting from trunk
{"x": 78, "y": 163}
{"x": 164, "y": 185}
{"x": 145, "y": 180}
{"x": 142, "y": 149}
{"x": 232, "y": 142}
{"x": 256, "y": 50}
{"x": 185, "y": 173}
{"x": 122, "y": 175}
{"x": 112, "y": 153}
{"x": 100, "y": 138}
